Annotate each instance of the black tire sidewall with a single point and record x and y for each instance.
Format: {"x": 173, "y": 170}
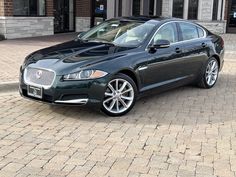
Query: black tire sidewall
{"x": 128, "y": 79}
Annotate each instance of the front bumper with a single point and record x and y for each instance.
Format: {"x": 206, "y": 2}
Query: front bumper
{"x": 87, "y": 92}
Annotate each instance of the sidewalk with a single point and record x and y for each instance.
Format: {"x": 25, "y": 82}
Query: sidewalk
{"x": 13, "y": 52}
{"x": 230, "y": 46}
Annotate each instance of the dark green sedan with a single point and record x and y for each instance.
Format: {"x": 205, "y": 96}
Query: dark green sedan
{"x": 116, "y": 62}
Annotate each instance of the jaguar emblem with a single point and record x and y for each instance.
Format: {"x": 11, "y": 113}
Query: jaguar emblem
{"x": 39, "y": 74}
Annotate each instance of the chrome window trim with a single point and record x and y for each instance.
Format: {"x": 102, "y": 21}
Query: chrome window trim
{"x": 205, "y": 33}
{"x": 38, "y": 85}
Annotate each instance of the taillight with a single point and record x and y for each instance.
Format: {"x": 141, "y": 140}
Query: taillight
{"x": 222, "y": 42}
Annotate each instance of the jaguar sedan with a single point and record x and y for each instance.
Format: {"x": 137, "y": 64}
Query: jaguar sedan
{"x": 113, "y": 64}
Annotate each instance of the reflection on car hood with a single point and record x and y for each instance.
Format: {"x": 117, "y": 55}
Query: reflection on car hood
{"x": 76, "y": 53}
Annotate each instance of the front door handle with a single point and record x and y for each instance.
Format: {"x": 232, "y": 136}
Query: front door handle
{"x": 204, "y": 45}
{"x": 178, "y": 50}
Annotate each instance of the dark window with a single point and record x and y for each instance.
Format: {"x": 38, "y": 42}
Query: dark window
{"x": 189, "y": 31}
{"x": 167, "y": 32}
{"x": 158, "y": 7}
{"x": 151, "y": 7}
{"x": 178, "y": 8}
{"x": 201, "y": 32}
{"x": 193, "y": 9}
{"x": 29, "y": 7}
{"x": 136, "y": 7}
{"x": 120, "y": 8}
{"x": 215, "y": 9}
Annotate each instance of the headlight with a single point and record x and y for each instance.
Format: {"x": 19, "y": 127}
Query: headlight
{"x": 86, "y": 74}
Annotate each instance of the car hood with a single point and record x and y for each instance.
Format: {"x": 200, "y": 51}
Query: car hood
{"x": 74, "y": 55}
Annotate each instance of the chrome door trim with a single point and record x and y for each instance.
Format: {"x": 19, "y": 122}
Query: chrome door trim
{"x": 205, "y": 34}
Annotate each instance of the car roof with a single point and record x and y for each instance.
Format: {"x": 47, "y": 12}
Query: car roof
{"x": 144, "y": 18}
{"x": 147, "y": 18}
{"x": 155, "y": 19}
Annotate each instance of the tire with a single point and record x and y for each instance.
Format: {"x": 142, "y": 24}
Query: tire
{"x": 210, "y": 74}
{"x": 120, "y": 96}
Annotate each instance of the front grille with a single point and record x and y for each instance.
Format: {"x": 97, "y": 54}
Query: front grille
{"x": 40, "y": 77}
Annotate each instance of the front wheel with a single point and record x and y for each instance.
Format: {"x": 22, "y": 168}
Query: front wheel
{"x": 211, "y": 73}
{"x": 120, "y": 96}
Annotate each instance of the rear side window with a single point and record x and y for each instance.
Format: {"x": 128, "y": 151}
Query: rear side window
{"x": 201, "y": 33}
{"x": 189, "y": 31}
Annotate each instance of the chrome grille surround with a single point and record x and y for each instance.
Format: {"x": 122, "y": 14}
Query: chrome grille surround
{"x": 39, "y": 77}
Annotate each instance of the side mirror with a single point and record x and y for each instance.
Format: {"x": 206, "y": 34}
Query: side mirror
{"x": 160, "y": 44}
{"x": 81, "y": 34}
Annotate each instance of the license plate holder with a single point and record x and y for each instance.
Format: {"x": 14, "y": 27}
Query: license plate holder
{"x": 36, "y": 92}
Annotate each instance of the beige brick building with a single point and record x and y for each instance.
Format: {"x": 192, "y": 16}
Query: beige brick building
{"x": 26, "y": 18}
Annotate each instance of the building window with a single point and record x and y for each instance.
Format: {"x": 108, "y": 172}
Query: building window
{"x": 215, "y": 9}
{"x": 120, "y": 8}
{"x": 158, "y": 7}
{"x": 29, "y": 7}
{"x": 193, "y": 9}
{"x": 136, "y": 7}
{"x": 151, "y": 7}
{"x": 178, "y": 8}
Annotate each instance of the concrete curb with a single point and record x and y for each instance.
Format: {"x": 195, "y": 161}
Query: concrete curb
{"x": 9, "y": 86}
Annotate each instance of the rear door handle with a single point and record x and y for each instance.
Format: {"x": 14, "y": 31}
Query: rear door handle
{"x": 204, "y": 45}
{"x": 178, "y": 50}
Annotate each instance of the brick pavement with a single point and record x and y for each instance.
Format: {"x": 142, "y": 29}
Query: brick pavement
{"x": 13, "y": 52}
{"x": 186, "y": 132}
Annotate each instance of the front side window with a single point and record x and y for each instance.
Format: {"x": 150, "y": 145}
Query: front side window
{"x": 178, "y": 8}
{"x": 189, "y": 31}
{"x": 193, "y": 10}
{"x": 121, "y": 33}
{"x": 201, "y": 32}
{"x": 167, "y": 32}
{"x": 29, "y": 7}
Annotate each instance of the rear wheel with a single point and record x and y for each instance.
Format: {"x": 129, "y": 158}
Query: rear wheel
{"x": 211, "y": 73}
{"x": 120, "y": 96}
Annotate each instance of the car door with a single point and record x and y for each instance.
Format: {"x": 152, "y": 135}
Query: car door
{"x": 194, "y": 47}
{"x": 165, "y": 65}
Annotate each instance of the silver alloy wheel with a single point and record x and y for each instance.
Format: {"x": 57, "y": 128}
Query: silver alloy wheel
{"x": 212, "y": 72}
{"x": 119, "y": 96}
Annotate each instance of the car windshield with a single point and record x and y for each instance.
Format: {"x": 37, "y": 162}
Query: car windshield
{"x": 120, "y": 33}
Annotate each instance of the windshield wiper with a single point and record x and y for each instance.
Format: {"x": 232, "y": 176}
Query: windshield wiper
{"x": 103, "y": 41}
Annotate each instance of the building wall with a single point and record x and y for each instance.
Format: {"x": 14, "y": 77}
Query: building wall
{"x": 49, "y": 8}
{"x": 205, "y": 9}
{"x": 226, "y": 9}
{"x": 214, "y": 26}
{"x": 83, "y": 15}
{"x": 10, "y": 26}
{"x": 167, "y": 8}
{"x": 19, "y": 27}
{"x": 6, "y": 8}
{"x": 2, "y": 11}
